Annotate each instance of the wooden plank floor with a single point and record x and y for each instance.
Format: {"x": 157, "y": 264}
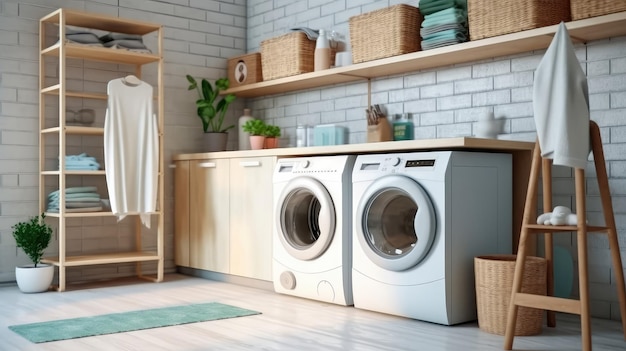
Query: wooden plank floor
{"x": 286, "y": 322}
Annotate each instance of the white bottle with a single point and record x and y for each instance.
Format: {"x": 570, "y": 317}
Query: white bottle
{"x": 244, "y": 138}
{"x": 322, "y": 52}
{"x": 301, "y": 135}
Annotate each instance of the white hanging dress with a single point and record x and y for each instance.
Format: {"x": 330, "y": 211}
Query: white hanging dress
{"x": 131, "y": 150}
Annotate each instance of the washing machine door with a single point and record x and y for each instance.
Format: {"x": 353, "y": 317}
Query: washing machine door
{"x": 395, "y": 222}
{"x": 306, "y": 218}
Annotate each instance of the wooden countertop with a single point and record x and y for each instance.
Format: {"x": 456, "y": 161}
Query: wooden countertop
{"x": 461, "y": 143}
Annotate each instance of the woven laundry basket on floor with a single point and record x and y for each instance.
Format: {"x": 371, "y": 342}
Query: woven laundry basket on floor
{"x": 494, "y": 281}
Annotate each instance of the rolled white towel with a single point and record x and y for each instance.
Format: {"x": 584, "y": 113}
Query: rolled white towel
{"x": 561, "y": 215}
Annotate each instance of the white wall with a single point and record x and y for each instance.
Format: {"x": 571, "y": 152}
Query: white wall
{"x": 447, "y": 102}
{"x": 199, "y": 36}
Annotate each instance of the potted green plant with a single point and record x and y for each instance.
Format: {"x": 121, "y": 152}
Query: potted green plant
{"x": 33, "y": 237}
{"x": 211, "y": 111}
{"x": 256, "y": 128}
{"x": 272, "y": 133}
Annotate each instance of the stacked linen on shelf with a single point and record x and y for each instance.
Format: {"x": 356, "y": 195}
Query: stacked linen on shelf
{"x": 133, "y": 42}
{"x": 77, "y": 199}
{"x": 445, "y": 23}
{"x": 81, "y": 36}
{"x": 81, "y": 162}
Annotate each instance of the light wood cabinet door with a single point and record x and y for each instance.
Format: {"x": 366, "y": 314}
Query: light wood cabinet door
{"x": 209, "y": 218}
{"x": 181, "y": 213}
{"x": 251, "y": 213}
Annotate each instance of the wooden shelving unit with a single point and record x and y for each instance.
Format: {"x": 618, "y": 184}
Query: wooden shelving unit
{"x": 61, "y": 51}
{"x": 583, "y": 31}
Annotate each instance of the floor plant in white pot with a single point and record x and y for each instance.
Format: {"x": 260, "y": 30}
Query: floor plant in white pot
{"x": 33, "y": 237}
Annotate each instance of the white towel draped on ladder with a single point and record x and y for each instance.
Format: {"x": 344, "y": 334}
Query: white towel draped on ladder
{"x": 131, "y": 148}
{"x": 561, "y": 104}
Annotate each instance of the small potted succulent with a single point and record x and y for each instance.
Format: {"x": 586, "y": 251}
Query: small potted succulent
{"x": 33, "y": 237}
{"x": 256, "y": 128}
{"x": 272, "y": 133}
{"x": 211, "y": 111}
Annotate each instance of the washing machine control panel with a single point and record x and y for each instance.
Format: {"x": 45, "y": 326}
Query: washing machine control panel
{"x": 396, "y": 164}
{"x": 308, "y": 167}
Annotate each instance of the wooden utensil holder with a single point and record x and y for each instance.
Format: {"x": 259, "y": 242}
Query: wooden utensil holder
{"x": 379, "y": 132}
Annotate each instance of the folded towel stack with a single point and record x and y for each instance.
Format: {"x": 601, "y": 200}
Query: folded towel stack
{"x": 81, "y": 162}
{"x": 77, "y": 199}
{"x": 445, "y": 23}
{"x": 81, "y": 36}
{"x": 133, "y": 42}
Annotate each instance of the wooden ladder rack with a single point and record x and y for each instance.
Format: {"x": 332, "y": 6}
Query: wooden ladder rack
{"x": 550, "y": 302}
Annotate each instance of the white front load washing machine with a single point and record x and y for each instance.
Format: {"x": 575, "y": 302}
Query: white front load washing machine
{"x": 312, "y": 250}
{"x": 419, "y": 220}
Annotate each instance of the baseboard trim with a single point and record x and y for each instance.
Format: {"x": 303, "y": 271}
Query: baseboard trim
{"x": 227, "y": 278}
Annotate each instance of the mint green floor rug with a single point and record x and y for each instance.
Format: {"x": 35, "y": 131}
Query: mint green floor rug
{"x": 128, "y": 321}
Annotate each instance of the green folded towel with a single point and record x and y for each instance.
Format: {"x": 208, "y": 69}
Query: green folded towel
{"x": 449, "y": 34}
{"x": 428, "y": 8}
{"x": 80, "y": 189}
{"x": 445, "y": 17}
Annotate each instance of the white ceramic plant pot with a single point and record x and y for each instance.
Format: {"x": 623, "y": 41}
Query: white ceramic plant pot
{"x": 34, "y": 280}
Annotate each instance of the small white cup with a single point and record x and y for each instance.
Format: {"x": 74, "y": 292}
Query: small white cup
{"x": 343, "y": 58}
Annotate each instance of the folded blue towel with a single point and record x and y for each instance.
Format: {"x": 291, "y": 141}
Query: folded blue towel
{"x": 81, "y": 162}
{"x": 427, "y": 4}
{"x": 436, "y": 43}
{"x": 447, "y": 16}
{"x": 77, "y": 157}
{"x": 82, "y": 168}
{"x": 83, "y": 204}
{"x": 424, "y": 32}
{"x": 74, "y": 196}
{"x": 450, "y": 34}
{"x": 431, "y": 3}
{"x": 78, "y": 189}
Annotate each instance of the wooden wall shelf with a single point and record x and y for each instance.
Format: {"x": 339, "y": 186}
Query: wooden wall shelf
{"x": 602, "y": 27}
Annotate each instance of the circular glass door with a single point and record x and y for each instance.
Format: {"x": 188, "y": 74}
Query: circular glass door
{"x": 306, "y": 218}
{"x": 396, "y": 222}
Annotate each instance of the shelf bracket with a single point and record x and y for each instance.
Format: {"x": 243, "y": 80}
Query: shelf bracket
{"x": 369, "y": 92}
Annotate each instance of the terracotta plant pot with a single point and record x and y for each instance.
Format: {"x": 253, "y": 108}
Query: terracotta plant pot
{"x": 257, "y": 142}
{"x": 271, "y": 142}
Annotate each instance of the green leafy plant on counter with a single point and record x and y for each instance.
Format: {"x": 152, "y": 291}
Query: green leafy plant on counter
{"x": 272, "y": 131}
{"x": 255, "y": 127}
{"x": 212, "y": 114}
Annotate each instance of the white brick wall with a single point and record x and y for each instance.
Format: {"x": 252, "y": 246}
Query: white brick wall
{"x": 199, "y": 36}
{"x": 446, "y": 102}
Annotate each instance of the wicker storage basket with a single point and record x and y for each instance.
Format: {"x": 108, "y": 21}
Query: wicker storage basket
{"x": 488, "y": 18}
{"x": 287, "y": 55}
{"x": 592, "y": 8}
{"x": 494, "y": 281}
{"x": 245, "y": 69}
{"x": 386, "y": 32}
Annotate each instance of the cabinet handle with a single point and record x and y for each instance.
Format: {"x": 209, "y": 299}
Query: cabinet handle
{"x": 207, "y": 165}
{"x": 172, "y": 166}
{"x": 250, "y": 163}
